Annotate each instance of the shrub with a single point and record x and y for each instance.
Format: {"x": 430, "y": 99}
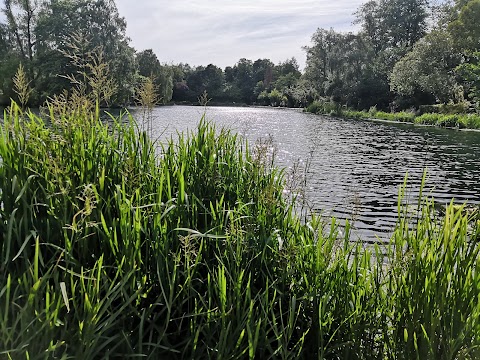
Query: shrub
{"x": 428, "y": 119}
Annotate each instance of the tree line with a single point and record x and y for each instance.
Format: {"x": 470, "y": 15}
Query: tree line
{"x": 45, "y": 36}
{"x": 407, "y": 53}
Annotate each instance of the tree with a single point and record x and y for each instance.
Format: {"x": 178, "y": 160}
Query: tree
{"x": 288, "y": 67}
{"x": 98, "y": 22}
{"x": 21, "y": 19}
{"x": 465, "y": 31}
{"x": 165, "y": 83}
{"x": 466, "y": 28}
{"x": 147, "y": 63}
{"x": 210, "y": 79}
{"x": 9, "y": 62}
{"x": 343, "y": 68}
{"x": 429, "y": 68}
{"x": 4, "y": 40}
{"x": 244, "y": 81}
{"x": 262, "y": 71}
{"x": 318, "y": 58}
{"x": 353, "y": 69}
{"x": 391, "y": 27}
{"x": 276, "y": 98}
{"x": 393, "y": 24}
{"x": 470, "y": 73}
{"x": 149, "y": 66}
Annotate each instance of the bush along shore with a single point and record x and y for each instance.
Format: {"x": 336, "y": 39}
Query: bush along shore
{"x": 109, "y": 250}
{"x": 456, "y": 121}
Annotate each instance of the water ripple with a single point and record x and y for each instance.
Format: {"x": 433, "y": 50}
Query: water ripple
{"x": 356, "y": 167}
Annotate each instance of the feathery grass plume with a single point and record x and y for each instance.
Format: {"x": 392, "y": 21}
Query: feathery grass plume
{"x": 203, "y": 99}
{"x": 93, "y": 85}
{"x": 147, "y": 98}
{"x": 21, "y": 86}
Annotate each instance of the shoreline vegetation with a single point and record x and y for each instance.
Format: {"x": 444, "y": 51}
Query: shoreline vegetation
{"x": 109, "y": 251}
{"x": 113, "y": 245}
{"x": 406, "y": 54}
{"x": 445, "y": 120}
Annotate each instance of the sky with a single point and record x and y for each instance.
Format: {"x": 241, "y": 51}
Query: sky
{"x": 220, "y": 32}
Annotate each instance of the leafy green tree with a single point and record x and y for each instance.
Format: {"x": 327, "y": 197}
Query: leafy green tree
{"x": 465, "y": 31}
{"x": 286, "y": 81}
{"x": 318, "y": 66}
{"x": 343, "y": 68}
{"x": 262, "y": 71}
{"x": 300, "y": 94}
{"x": 263, "y": 98}
{"x": 21, "y": 19}
{"x": 429, "y": 68}
{"x": 276, "y": 98}
{"x": 21, "y": 16}
{"x": 288, "y": 67}
{"x": 165, "y": 83}
{"x": 393, "y": 24}
{"x": 181, "y": 91}
{"x": 244, "y": 81}
{"x": 466, "y": 28}
{"x": 99, "y": 23}
{"x": 147, "y": 63}
{"x": 163, "y": 75}
{"x": 210, "y": 79}
{"x": 181, "y": 72}
{"x": 470, "y": 73}
{"x": 229, "y": 74}
{"x": 4, "y": 40}
{"x": 9, "y": 62}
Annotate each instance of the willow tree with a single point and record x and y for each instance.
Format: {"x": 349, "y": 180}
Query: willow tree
{"x": 97, "y": 21}
{"x": 342, "y": 67}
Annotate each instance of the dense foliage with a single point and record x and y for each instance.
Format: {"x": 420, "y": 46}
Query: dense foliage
{"x": 407, "y": 53}
{"x": 45, "y": 35}
{"x": 450, "y": 116}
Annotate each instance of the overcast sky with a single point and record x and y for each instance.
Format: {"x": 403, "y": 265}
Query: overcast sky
{"x": 200, "y": 32}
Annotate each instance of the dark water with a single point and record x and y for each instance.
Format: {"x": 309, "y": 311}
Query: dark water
{"x": 356, "y": 167}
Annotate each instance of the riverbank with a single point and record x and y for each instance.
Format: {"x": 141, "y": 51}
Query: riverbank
{"x": 453, "y": 121}
{"x": 111, "y": 251}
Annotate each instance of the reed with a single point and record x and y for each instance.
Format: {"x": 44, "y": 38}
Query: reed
{"x": 112, "y": 250}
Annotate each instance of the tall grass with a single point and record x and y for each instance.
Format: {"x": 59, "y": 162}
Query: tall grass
{"x": 110, "y": 251}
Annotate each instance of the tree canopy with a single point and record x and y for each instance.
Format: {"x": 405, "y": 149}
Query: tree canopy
{"x": 406, "y": 53}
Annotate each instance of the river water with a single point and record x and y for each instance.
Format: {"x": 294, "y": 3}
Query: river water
{"x": 355, "y": 167}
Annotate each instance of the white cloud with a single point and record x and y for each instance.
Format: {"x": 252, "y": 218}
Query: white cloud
{"x": 221, "y": 32}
